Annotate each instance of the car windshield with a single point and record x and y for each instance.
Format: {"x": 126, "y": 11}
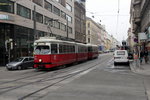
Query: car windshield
{"x": 18, "y": 60}
{"x": 42, "y": 49}
{"x": 120, "y": 52}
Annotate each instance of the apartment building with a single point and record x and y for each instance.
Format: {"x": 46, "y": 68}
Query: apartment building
{"x": 92, "y": 31}
{"x": 80, "y": 21}
{"x": 140, "y": 21}
{"x": 23, "y": 21}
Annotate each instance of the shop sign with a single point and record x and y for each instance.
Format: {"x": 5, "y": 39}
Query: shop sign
{"x": 142, "y": 36}
{"x": 148, "y": 34}
{"x": 6, "y": 17}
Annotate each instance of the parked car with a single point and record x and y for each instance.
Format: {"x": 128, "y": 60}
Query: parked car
{"x": 106, "y": 51}
{"x": 121, "y": 56}
{"x": 21, "y": 63}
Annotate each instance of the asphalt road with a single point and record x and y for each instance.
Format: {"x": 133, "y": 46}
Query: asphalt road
{"x": 96, "y": 79}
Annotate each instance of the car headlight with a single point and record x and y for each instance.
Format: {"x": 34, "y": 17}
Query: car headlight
{"x": 40, "y": 60}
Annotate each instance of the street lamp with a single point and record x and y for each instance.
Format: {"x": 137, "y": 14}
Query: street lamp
{"x": 67, "y": 27}
{"x": 34, "y": 23}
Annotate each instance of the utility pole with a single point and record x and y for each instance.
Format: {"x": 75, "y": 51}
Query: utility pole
{"x": 49, "y": 25}
{"x": 67, "y": 28}
{"x": 34, "y": 24}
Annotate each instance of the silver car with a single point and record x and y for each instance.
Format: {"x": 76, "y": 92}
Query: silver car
{"x": 21, "y": 63}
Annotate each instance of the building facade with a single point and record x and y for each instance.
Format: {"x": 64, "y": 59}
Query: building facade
{"x": 131, "y": 41}
{"x": 80, "y": 21}
{"x": 23, "y": 21}
{"x": 97, "y": 34}
{"x": 92, "y": 32}
{"x": 140, "y": 22}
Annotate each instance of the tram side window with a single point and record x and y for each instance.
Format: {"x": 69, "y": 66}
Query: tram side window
{"x": 89, "y": 49}
{"x": 80, "y": 49}
{"x": 72, "y": 49}
{"x": 66, "y": 49}
{"x": 60, "y": 48}
{"x": 54, "y": 49}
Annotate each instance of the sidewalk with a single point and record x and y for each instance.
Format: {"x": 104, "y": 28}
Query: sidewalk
{"x": 144, "y": 68}
{"x": 2, "y": 67}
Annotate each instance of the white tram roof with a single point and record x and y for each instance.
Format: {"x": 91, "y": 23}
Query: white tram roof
{"x": 81, "y": 44}
{"x": 91, "y": 45}
{"x": 52, "y": 39}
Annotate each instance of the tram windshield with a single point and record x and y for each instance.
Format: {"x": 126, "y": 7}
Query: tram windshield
{"x": 42, "y": 49}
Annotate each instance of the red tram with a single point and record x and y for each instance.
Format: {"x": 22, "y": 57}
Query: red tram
{"x": 50, "y": 52}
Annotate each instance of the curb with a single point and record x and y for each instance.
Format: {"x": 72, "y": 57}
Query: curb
{"x": 2, "y": 67}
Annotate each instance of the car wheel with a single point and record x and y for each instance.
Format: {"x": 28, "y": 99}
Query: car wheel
{"x": 128, "y": 63}
{"x": 8, "y": 69}
{"x": 19, "y": 67}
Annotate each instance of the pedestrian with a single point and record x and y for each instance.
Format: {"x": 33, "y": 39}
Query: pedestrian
{"x": 136, "y": 59}
{"x": 141, "y": 56}
{"x": 146, "y": 55}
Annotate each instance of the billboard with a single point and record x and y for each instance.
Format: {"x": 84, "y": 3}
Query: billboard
{"x": 142, "y": 36}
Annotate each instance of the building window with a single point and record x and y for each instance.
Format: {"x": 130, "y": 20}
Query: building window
{"x": 38, "y": 17}
{"x": 88, "y": 25}
{"x": 57, "y": 24}
{"x": 48, "y": 6}
{"x": 56, "y": 11}
{"x": 63, "y": 15}
{"x": 68, "y": 7}
{"x": 88, "y": 32}
{"x": 7, "y": 6}
{"x": 23, "y": 11}
{"x": 63, "y": 2}
{"x": 69, "y": 18}
{"x": 58, "y": 0}
{"x": 69, "y": 29}
{"x": 88, "y": 40}
{"x": 48, "y": 21}
{"x": 38, "y": 2}
{"x": 63, "y": 27}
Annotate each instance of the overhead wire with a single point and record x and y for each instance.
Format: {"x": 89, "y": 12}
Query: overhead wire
{"x": 118, "y": 16}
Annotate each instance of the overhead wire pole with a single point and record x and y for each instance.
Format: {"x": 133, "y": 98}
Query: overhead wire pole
{"x": 34, "y": 22}
{"x": 118, "y": 16}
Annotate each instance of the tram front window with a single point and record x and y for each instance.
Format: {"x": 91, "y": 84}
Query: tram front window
{"x": 42, "y": 49}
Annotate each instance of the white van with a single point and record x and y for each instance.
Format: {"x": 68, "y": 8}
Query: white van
{"x": 121, "y": 56}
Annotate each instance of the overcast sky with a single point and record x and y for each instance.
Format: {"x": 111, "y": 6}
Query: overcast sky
{"x": 107, "y": 11}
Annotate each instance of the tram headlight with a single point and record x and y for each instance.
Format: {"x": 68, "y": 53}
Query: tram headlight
{"x": 40, "y": 60}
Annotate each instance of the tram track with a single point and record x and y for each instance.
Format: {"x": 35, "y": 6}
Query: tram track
{"x": 65, "y": 78}
{"x": 37, "y": 74}
{"x": 1, "y": 83}
{"x": 49, "y": 78}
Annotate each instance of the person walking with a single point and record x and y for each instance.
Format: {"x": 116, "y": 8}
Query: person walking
{"x": 136, "y": 59}
{"x": 141, "y": 56}
{"x": 146, "y": 55}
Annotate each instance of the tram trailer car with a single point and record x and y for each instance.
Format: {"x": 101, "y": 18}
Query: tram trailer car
{"x": 92, "y": 51}
{"x": 50, "y": 52}
{"x": 82, "y": 52}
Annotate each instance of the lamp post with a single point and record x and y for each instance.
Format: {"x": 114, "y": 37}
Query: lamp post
{"x": 34, "y": 24}
{"x": 67, "y": 27}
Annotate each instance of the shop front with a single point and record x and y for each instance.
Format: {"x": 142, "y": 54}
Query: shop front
{"x": 15, "y": 41}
